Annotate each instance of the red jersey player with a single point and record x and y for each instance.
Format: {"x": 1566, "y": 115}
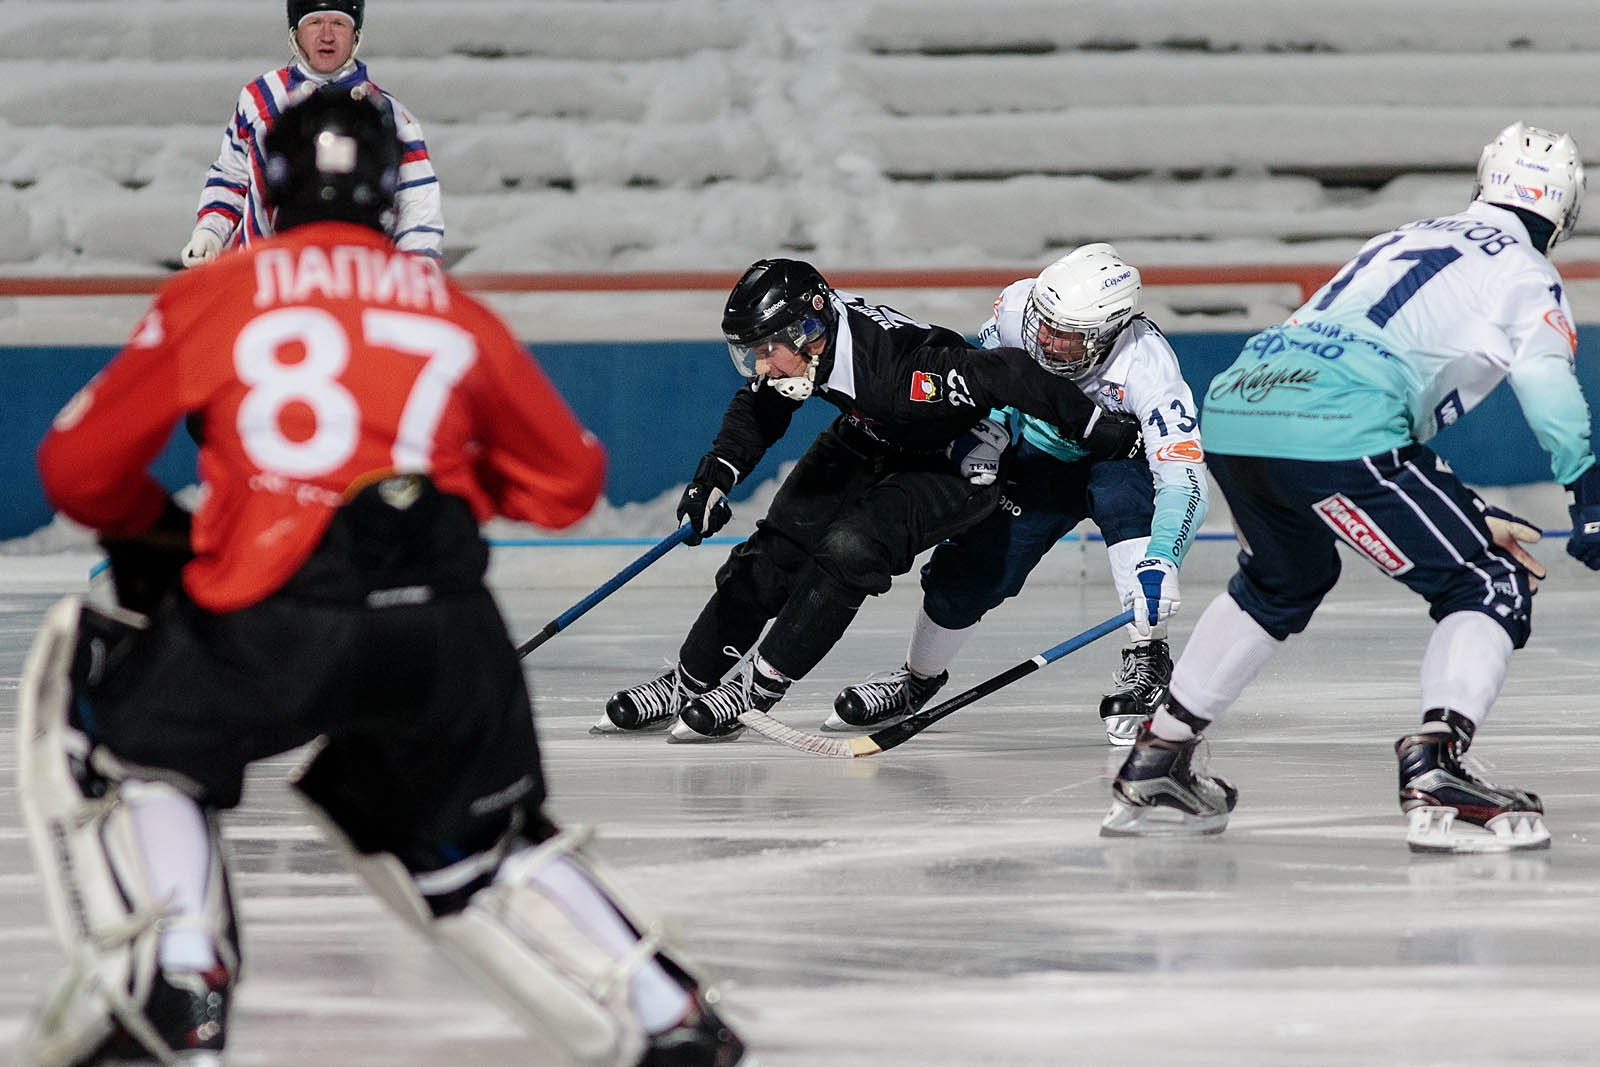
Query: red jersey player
{"x": 359, "y": 415}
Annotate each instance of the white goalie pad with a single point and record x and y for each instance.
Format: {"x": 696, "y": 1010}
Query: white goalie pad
{"x": 92, "y": 871}
{"x": 519, "y": 942}
{"x": 1435, "y": 830}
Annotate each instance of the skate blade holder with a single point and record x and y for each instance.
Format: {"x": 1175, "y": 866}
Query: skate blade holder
{"x": 1129, "y": 820}
{"x": 604, "y": 725}
{"x": 1434, "y": 829}
{"x": 682, "y": 733}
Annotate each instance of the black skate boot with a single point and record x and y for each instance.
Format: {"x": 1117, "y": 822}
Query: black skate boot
{"x": 650, "y": 705}
{"x": 882, "y": 699}
{"x": 1145, "y": 672}
{"x": 1437, "y": 793}
{"x": 188, "y": 1010}
{"x": 1159, "y": 792}
{"x": 714, "y": 714}
{"x": 703, "y": 1040}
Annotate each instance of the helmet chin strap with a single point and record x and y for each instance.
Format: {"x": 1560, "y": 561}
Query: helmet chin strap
{"x": 799, "y": 387}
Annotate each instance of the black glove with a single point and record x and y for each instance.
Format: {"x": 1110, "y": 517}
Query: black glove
{"x": 704, "y": 504}
{"x": 1583, "y": 504}
{"x": 146, "y": 567}
{"x": 1111, "y": 435}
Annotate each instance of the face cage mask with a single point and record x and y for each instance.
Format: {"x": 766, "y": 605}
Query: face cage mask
{"x": 1096, "y": 345}
{"x": 795, "y": 336}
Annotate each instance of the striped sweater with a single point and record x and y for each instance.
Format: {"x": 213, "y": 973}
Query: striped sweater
{"x": 231, "y": 203}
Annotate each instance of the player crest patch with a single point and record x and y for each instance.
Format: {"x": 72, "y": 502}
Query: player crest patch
{"x": 925, "y": 387}
{"x": 1356, "y": 529}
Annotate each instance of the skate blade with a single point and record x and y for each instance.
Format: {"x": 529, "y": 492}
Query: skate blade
{"x": 1122, "y": 730}
{"x": 1129, "y": 820}
{"x": 604, "y": 725}
{"x": 1433, "y": 830}
{"x": 682, "y": 734}
{"x": 835, "y": 725}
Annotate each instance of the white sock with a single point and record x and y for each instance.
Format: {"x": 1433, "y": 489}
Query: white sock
{"x": 933, "y": 647}
{"x": 1465, "y": 664}
{"x": 1122, "y": 556}
{"x": 657, "y": 999}
{"x": 175, "y": 841}
{"x": 1224, "y": 654}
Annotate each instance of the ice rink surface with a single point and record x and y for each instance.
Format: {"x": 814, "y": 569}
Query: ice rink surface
{"x": 950, "y": 902}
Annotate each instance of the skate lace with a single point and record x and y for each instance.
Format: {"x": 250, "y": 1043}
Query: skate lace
{"x": 735, "y": 697}
{"x": 660, "y": 696}
{"x": 1137, "y": 672}
{"x": 885, "y": 691}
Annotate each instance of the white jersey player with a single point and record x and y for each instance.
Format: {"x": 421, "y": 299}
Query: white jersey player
{"x": 1316, "y": 438}
{"x": 1080, "y": 319}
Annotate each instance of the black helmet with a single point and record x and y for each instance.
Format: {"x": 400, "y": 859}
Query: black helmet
{"x": 772, "y": 294}
{"x": 299, "y": 9}
{"x": 333, "y": 156}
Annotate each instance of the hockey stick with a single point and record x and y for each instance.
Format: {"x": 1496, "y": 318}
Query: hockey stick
{"x": 912, "y": 725}
{"x": 566, "y": 618}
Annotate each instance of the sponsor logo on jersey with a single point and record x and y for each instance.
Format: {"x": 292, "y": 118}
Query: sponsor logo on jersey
{"x": 1558, "y": 322}
{"x": 1447, "y": 411}
{"x": 1181, "y": 452}
{"x": 1114, "y": 395}
{"x": 1356, "y": 528}
{"x": 925, "y": 387}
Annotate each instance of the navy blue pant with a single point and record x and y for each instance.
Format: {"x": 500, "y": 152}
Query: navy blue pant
{"x": 1403, "y": 511}
{"x": 1043, "y": 500}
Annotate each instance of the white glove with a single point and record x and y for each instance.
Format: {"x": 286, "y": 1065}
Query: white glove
{"x": 1156, "y": 598}
{"x": 1511, "y": 532}
{"x": 203, "y": 247}
{"x": 977, "y": 452}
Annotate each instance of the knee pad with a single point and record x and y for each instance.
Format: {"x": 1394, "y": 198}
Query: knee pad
{"x": 1280, "y": 616}
{"x": 75, "y": 802}
{"x": 857, "y": 561}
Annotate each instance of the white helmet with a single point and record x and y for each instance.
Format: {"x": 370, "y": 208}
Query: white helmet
{"x": 1535, "y": 170}
{"x": 1080, "y": 303}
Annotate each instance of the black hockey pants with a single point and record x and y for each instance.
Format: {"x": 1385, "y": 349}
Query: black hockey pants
{"x": 851, "y": 515}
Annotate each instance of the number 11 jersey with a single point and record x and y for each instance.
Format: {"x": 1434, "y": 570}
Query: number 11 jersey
{"x": 1409, "y": 336}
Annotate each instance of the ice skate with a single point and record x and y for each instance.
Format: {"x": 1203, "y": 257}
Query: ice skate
{"x": 651, "y": 705}
{"x": 714, "y": 714}
{"x": 1450, "y": 810}
{"x": 703, "y": 1040}
{"x": 882, "y": 699}
{"x": 1158, "y": 792}
{"x": 184, "y": 1018}
{"x": 1137, "y": 686}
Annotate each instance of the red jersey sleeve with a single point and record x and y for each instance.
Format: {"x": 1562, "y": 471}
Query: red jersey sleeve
{"x": 93, "y": 460}
{"x": 538, "y": 464}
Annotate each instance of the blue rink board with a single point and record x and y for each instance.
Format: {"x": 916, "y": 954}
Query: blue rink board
{"x": 657, "y": 407}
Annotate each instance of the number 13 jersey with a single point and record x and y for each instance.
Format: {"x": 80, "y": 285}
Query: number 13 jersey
{"x": 1409, "y": 336}
{"x": 315, "y": 362}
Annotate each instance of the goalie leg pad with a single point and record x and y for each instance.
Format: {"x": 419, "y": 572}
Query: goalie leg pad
{"x": 93, "y": 872}
{"x": 521, "y": 943}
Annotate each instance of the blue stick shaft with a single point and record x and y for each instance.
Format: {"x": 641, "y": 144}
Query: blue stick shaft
{"x": 622, "y": 577}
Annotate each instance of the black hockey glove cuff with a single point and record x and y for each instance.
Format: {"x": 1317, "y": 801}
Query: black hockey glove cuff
{"x": 1583, "y": 504}
{"x": 1111, "y": 435}
{"x": 704, "y": 504}
{"x": 147, "y": 566}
